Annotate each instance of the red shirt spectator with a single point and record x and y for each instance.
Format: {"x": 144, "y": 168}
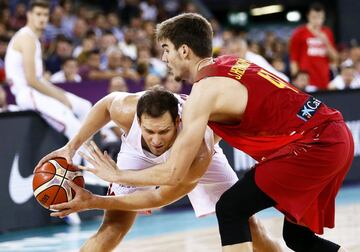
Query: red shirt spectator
{"x": 312, "y": 47}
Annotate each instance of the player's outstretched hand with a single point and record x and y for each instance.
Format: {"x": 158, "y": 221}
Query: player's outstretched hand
{"x": 81, "y": 202}
{"x": 103, "y": 165}
{"x": 65, "y": 152}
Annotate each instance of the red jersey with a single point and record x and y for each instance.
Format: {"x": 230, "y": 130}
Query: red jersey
{"x": 310, "y": 53}
{"x": 276, "y": 113}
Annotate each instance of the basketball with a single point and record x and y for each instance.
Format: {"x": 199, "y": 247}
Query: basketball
{"x": 50, "y": 182}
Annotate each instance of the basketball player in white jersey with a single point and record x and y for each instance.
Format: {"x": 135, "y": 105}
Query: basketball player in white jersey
{"x": 150, "y": 124}
{"x": 24, "y": 72}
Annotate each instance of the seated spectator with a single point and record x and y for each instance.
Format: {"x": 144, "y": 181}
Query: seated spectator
{"x": 87, "y": 44}
{"x": 4, "y": 106}
{"x": 63, "y": 49}
{"x": 151, "y": 81}
{"x": 128, "y": 46}
{"x": 68, "y": 73}
{"x": 302, "y": 81}
{"x": 238, "y": 46}
{"x": 346, "y": 79}
{"x": 91, "y": 69}
{"x": 172, "y": 85}
{"x": 118, "y": 84}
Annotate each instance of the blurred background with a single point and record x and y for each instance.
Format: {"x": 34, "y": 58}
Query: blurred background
{"x": 91, "y": 48}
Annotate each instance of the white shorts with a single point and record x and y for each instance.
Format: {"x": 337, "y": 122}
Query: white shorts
{"x": 218, "y": 178}
{"x": 62, "y": 118}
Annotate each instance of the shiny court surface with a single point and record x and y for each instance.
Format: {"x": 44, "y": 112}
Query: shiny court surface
{"x": 180, "y": 231}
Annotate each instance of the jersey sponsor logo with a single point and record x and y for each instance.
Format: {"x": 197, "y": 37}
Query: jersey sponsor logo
{"x": 239, "y": 68}
{"x": 309, "y": 108}
{"x": 20, "y": 188}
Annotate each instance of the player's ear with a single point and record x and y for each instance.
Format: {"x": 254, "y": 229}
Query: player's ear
{"x": 177, "y": 121}
{"x": 184, "y": 51}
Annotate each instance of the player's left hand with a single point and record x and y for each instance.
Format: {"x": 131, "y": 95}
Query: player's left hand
{"x": 81, "y": 202}
{"x": 103, "y": 165}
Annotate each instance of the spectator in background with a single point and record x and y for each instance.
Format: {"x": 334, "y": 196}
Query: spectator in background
{"x": 18, "y": 19}
{"x": 87, "y": 44}
{"x": 63, "y": 50}
{"x": 238, "y": 46}
{"x": 312, "y": 48}
{"x": 68, "y": 18}
{"x": 107, "y": 40}
{"x": 128, "y": 46}
{"x": 301, "y": 81}
{"x": 79, "y": 31}
{"x": 55, "y": 28}
{"x": 91, "y": 69}
{"x": 68, "y": 73}
{"x": 346, "y": 79}
{"x": 4, "y": 106}
{"x": 114, "y": 24}
{"x": 4, "y": 41}
{"x": 118, "y": 84}
{"x": 173, "y": 86}
{"x": 151, "y": 81}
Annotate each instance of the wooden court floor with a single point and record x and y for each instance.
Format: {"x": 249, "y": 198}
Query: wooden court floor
{"x": 346, "y": 233}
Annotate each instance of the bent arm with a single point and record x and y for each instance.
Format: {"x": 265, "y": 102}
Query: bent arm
{"x": 164, "y": 195}
{"x": 27, "y": 47}
{"x": 98, "y": 116}
{"x": 195, "y": 117}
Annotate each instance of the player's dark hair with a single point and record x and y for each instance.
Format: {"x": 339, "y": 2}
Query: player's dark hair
{"x": 38, "y": 3}
{"x": 316, "y": 6}
{"x": 190, "y": 29}
{"x": 156, "y": 102}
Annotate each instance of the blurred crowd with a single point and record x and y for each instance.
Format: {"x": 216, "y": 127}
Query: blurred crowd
{"x": 83, "y": 42}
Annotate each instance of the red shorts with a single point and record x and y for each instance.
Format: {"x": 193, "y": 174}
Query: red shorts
{"x": 304, "y": 177}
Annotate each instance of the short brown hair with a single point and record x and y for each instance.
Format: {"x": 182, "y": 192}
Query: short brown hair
{"x": 190, "y": 29}
{"x": 39, "y": 3}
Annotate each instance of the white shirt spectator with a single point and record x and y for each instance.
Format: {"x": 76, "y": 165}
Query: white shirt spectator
{"x": 59, "y": 77}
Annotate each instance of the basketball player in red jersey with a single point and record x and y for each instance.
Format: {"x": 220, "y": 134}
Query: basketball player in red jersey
{"x": 303, "y": 147}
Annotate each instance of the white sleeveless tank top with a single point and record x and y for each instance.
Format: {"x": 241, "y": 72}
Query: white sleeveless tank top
{"x": 132, "y": 155}
{"x": 14, "y": 63}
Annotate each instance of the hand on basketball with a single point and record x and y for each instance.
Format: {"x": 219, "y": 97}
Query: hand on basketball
{"x": 81, "y": 202}
{"x": 64, "y": 152}
{"x": 103, "y": 165}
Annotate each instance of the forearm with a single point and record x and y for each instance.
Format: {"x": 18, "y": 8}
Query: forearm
{"x": 142, "y": 200}
{"x": 95, "y": 120}
{"x": 332, "y": 53}
{"x": 49, "y": 89}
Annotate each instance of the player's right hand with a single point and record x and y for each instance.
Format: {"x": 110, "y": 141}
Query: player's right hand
{"x": 65, "y": 152}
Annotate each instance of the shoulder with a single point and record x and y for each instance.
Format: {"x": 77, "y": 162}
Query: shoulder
{"x": 123, "y": 108}
{"x": 299, "y": 30}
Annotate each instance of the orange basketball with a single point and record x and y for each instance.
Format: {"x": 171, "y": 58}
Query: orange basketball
{"x": 50, "y": 182}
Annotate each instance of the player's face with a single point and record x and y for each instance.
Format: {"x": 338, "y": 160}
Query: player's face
{"x": 175, "y": 63}
{"x": 316, "y": 18}
{"x": 38, "y": 17}
{"x": 158, "y": 134}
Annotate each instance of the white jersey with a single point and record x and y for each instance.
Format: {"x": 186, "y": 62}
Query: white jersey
{"x": 218, "y": 178}
{"x": 14, "y": 62}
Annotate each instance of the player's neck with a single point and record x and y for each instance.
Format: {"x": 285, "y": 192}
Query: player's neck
{"x": 200, "y": 64}
{"x": 34, "y": 30}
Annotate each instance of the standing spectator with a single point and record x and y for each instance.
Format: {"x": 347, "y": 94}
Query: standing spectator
{"x": 312, "y": 47}
{"x": 68, "y": 73}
